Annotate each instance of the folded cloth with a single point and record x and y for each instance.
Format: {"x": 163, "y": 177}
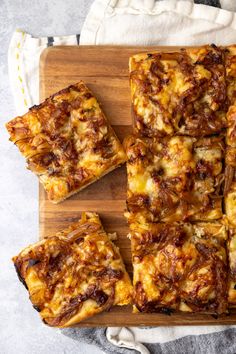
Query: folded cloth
{"x": 23, "y": 66}
{"x": 216, "y": 343}
{"x": 135, "y": 22}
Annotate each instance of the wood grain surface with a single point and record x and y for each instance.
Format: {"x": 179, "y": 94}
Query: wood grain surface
{"x": 105, "y": 70}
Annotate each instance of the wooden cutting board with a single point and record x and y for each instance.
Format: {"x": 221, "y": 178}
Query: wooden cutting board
{"x": 105, "y": 70}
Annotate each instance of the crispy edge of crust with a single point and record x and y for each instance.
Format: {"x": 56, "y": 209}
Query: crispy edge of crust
{"x": 37, "y": 107}
{"x": 112, "y": 168}
{"x": 176, "y": 51}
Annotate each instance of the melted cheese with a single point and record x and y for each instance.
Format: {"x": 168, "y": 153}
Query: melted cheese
{"x": 232, "y": 252}
{"x": 230, "y": 205}
{"x": 231, "y": 130}
{"x": 55, "y": 186}
{"x": 34, "y": 124}
{"x": 202, "y": 73}
{"x": 179, "y": 158}
{"x": 142, "y": 183}
{"x": 91, "y": 103}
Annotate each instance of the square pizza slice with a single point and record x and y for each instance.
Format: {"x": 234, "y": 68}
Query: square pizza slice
{"x": 230, "y": 69}
{"x": 74, "y": 274}
{"x": 232, "y": 267}
{"x": 179, "y": 267}
{"x": 174, "y": 178}
{"x": 67, "y": 141}
{"x": 230, "y": 185}
{"x": 179, "y": 92}
{"x": 230, "y": 154}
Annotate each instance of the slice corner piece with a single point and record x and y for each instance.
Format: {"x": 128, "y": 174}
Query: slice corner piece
{"x": 180, "y": 267}
{"x": 179, "y": 92}
{"x": 67, "y": 141}
{"x": 232, "y": 266}
{"x": 74, "y": 274}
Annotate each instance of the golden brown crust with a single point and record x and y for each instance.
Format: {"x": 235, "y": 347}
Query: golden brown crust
{"x": 74, "y": 274}
{"x": 179, "y": 93}
{"x": 174, "y": 179}
{"x": 67, "y": 141}
{"x": 180, "y": 267}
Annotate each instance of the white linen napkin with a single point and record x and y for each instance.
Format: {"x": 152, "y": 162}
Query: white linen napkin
{"x": 134, "y": 22}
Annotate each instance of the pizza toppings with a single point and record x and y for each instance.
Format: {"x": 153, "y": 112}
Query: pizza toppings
{"x": 230, "y": 156}
{"x": 180, "y": 267}
{"x": 74, "y": 274}
{"x": 67, "y": 141}
{"x": 179, "y": 93}
{"x": 174, "y": 179}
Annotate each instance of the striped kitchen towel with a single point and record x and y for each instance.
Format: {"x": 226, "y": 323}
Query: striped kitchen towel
{"x": 135, "y": 22}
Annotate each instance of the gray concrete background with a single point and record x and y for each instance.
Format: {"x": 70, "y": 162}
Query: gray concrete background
{"x": 20, "y": 328}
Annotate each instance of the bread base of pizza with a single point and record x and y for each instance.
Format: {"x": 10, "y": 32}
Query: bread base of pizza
{"x": 74, "y": 274}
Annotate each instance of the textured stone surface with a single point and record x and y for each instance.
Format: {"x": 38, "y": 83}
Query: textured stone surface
{"x": 20, "y": 328}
